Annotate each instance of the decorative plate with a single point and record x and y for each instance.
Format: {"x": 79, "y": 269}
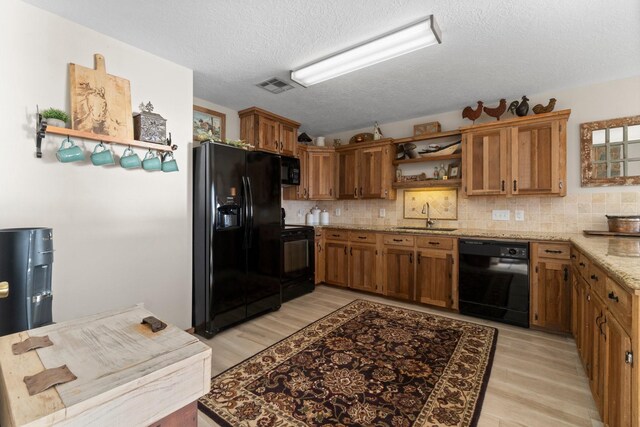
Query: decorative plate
{"x": 361, "y": 137}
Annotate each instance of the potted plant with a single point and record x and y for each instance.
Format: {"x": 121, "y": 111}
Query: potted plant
{"x": 55, "y": 117}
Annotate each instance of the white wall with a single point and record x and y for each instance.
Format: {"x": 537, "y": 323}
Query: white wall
{"x": 232, "y": 119}
{"x": 600, "y": 101}
{"x": 121, "y": 237}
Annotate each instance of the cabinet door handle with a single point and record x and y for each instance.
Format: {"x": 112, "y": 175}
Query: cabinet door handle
{"x": 419, "y": 256}
{"x": 397, "y": 240}
{"x": 345, "y": 250}
{"x": 503, "y": 185}
{"x": 594, "y": 277}
{"x": 552, "y": 251}
{"x": 360, "y": 191}
{"x": 582, "y": 264}
{"x": 335, "y": 235}
{"x": 331, "y": 191}
{"x": 566, "y": 274}
{"x": 355, "y": 193}
{"x": 411, "y": 258}
{"x": 613, "y": 297}
{"x": 362, "y": 237}
{"x": 515, "y": 185}
{"x": 434, "y": 243}
{"x": 319, "y": 248}
{"x": 573, "y": 256}
{"x": 351, "y": 251}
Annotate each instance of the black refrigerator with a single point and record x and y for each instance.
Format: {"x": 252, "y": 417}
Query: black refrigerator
{"x": 236, "y": 236}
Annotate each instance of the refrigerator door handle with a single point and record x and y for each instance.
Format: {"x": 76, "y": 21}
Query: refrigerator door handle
{"x": 249, "y": 222}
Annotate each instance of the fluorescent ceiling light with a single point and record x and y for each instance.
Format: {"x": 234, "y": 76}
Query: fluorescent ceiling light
{"x": 398, "y": 42}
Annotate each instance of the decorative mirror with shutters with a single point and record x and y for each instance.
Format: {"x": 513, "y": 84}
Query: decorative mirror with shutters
{"x": 610, "y": 152}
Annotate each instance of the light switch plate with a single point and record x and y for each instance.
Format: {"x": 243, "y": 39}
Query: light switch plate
{"x": 338, "y": 211}
{"x": 519, "y": 215}
{"x": 500, "y": 215}
{"x": 382, "y": 213}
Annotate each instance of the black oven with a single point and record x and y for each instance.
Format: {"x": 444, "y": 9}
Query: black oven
{"x": 289, "y": 171}
{"x": 297, "y": 261}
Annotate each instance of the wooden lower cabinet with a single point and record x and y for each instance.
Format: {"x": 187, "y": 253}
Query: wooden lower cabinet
{"x": 319, "y": 257}
{"x": 434, "y": 278}
{"x": 618, "y": 408}
{"x": 597, "y": 320}
{"x": 551, "y": 288}
{"x": 399, "y": 272}
{"x": 362, "y": 267}
{"x": 604, "y": 342}
{"x": 337, "y": 263}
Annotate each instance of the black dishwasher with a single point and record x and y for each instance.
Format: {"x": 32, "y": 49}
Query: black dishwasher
{"x": 494, "y": 280}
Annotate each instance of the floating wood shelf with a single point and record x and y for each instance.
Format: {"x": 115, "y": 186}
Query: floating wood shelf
{"x": 426, "y": 137}
{"x": 428, "y": 159}
{"x": 43, "y": 128}
{"x": 432, "y": 183}
{"x": 107, "y": 139}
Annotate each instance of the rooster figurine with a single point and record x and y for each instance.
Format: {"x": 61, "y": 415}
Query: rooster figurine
{"x": 471, "y": 114}
{"x": 497, "y": 111}
{"x": 519, "y": 108}
{"x": 539, "y": 109}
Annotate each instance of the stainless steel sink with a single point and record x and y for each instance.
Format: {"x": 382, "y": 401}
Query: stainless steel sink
{"x": 426, "y": 229}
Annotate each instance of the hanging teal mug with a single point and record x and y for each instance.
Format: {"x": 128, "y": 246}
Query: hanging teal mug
{"x": 151, "y": 162}
{"x": 169, "y": 165}
{"x": 102, "y": 157}
{"x": 129, "y": 159}
{"x": 72, "y": 153}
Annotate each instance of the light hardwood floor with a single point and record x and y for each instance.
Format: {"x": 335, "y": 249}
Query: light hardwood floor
{"x": 536, "y": 380}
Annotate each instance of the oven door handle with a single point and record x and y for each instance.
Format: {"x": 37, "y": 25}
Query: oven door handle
{"x": 249, "y": 223}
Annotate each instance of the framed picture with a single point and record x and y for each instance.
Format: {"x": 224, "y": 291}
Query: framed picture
{"x": 426, "y": 128}
{"x": 208, "y": 124}
{"x": 454, "y": 172}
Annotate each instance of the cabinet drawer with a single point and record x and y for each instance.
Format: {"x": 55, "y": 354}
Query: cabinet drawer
{"x": 334, "y": 234}
{"x": 362, "y": 236}
{"x": 445, "y": 243}
{"x": 399, "y": 240}
{"x": 583, "y": 266}
{"x": 619, "y": 303}
{"x": 597, "y": 280}
{"x": 553, "y": 250}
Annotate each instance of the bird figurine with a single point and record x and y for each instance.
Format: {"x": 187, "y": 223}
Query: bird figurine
{"x": 539, "y": 109}
{"x": 497, "y": 111}
{"x": 471, "y": 114}
{"x": 519, "y": 108}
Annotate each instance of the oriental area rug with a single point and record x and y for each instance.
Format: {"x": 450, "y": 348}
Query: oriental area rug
{"x": 366, "y": 364}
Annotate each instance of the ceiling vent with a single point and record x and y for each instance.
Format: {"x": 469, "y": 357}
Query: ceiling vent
{"x": 275, "y": 85}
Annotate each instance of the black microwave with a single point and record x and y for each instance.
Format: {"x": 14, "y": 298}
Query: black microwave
{"x": 289, "y": 170}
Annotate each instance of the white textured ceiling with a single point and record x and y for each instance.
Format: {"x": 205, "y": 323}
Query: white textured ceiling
{"x": 490, "y": 49}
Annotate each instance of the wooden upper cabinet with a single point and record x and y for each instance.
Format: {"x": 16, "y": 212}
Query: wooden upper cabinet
{"x": 320, "y": 174}
{"x": 536, "y": 158}
{"x": 267, "y": 131}
{"x": 485, "y": 157}
{"x": 366, "y": 172}
{"x": 520, "y": 156}
{"x": 347, "y": 174}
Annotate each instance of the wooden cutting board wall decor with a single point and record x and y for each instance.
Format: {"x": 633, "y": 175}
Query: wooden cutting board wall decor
{"x": 100, "y": 102}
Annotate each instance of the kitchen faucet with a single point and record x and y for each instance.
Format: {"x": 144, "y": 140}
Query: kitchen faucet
{"x": 426, "y": 209}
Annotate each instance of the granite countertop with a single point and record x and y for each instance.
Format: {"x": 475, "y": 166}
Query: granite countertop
{"x": 618, "y": 256}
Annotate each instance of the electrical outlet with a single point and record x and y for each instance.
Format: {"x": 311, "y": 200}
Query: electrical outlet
{"x": 519, "y": 215}
{"x": 338, "y": 211}
{"x": 499, "y": 215}
{"x": 382, "y": 213}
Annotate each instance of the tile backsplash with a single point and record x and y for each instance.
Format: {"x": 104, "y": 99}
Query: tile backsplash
{"x": 572, "y": 213}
